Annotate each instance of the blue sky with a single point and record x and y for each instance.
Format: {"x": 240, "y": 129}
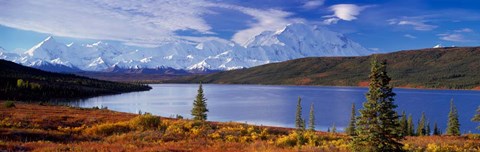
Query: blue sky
{"x": 380, "y": 25}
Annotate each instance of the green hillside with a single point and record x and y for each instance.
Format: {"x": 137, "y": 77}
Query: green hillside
{"x": 452, "y": 68}
{"x": 18, "y": 82}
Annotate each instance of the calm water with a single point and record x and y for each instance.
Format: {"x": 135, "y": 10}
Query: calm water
{"x": 275, "y": 105}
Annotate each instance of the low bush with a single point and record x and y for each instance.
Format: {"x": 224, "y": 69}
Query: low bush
{"x": 107, "y": 129}
{"x": 9, "y": 104}
{"x": 145, "y": 122}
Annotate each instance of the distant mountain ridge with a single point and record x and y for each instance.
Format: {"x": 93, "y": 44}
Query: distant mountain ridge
{"x": 446, "y": 67}
{"x": 296, "y": 40}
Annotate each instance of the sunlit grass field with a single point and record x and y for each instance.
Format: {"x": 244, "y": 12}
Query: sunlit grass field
{"x": 36, "y": 127}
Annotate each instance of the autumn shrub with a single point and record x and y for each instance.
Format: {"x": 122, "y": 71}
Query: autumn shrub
{"x": 145, "y": 122}
{"x": 71, "y": 130}
{"x": 9, "y": 104}
{"x": 107, "y": 129}
{"x": 473, "y": 136}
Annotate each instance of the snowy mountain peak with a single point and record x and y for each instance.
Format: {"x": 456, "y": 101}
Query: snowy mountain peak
{"x": 46, "y": 45}
{"x": 438, "y": 46}
{"x": 293, "y": 41}
{"x": 308, "y": 40}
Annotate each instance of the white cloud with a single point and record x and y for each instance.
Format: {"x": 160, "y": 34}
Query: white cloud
{"x": 129, "y": 21}
{"x": 312, "y": 4}
{"x": 410, "y": 36}
{"x": 453, "y": 37}
{"x": 464, "y": 30}
{"x": 329, "y": 21}
{"x": 132, "y": 22}
{"x": 270, "y": 19}
{"x": 347, "y": 12}
{"x": 418, "y": 23}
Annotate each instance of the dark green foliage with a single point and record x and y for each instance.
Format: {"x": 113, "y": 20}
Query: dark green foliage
{"x": 311, "y": 119}
{"x": 421, "y": 127}
{"x": 199, "y": 110}
{"x": 427, "y": 129}
{"x": 404, "y": 124}
{"x": 453, "y": 126}
{"x": 28, "y": 84}
{"x": 411, "y": 130}
{"x": 9, "y": 104}
{"x": 377, "y": 126}
{"x": 436, "y": 130}
{"x": 299, "y": 121}
{"x": 334, "y": 129}
{"x": 449, "y": 68}
{"x": 350, "y": 130}
{"x": 476, "y": 117}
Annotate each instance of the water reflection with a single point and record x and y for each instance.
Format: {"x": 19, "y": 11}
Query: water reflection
{"x": 275, "y": 105}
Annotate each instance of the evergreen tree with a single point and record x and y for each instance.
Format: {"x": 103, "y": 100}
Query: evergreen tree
{"x": 404, "y": 124}
{"x": 476, "y": 117}
{"x": 421, "y": 125}
{"x": 350, "y": 130}
{"x": 199, "y": 110}
{"x": 299, "y": 122}
{"x": 411, "y": 131}
{"x": 311, "y": 119}
{"x": 377, "y": 126}
{"x": 334, "y": 129}
{"x": 453, "y": 126}
{"x": 436, "y": 131}
{"x": 427, "y": 129}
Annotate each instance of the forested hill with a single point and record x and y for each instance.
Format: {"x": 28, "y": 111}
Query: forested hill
{"x": 18, "y": 82}
{"x": 451, "y": 68}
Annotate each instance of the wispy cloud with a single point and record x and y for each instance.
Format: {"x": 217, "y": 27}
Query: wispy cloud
{"x": 453, "y": 37}
{"x": 375, "y": 49}
{"x": 418, "y": 23}
{"x": 410, "y": 36}
{"x": 312, "y": 4}
{"x": 130, "y": 21}
{"x": 270, "y": 19}
{"x": 464, "y": 30}
{"x": 346, "y": 12}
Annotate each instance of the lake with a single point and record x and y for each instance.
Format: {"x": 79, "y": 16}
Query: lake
{"x": 275, "y": 105}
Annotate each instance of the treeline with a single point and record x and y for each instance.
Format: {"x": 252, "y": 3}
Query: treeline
{"x": 18, "y": 82}
{"x": 450, "y": 68}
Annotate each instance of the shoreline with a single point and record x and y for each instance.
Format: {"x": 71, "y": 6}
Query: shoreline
{"x": 339, "y": 86}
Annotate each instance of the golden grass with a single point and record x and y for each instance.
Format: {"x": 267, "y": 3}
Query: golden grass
{"x": 33, "y": 127}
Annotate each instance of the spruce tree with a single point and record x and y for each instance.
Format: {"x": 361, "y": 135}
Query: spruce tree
{"x": 404, "y": 124}
{"x": 476, "y": 117}
{"x": 436, "y": 131}
{"x": 421, "y": 125}
{"x": 311, "y": 119}
{"x": 299, "y": 122}
{"x": 199, "y": 110}
{"x": 334, "y": 129}
{"x": 350, "y": 130}
{"x": 377, "y": 126}
{"x": 453, "y": 126}
{"x": 411, "y": 131}
{"x": 427, "y": 129}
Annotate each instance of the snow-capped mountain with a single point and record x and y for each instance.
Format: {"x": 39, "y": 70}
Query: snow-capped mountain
{"x": 293, "y": 41}
{"x": 438, "y": 46}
